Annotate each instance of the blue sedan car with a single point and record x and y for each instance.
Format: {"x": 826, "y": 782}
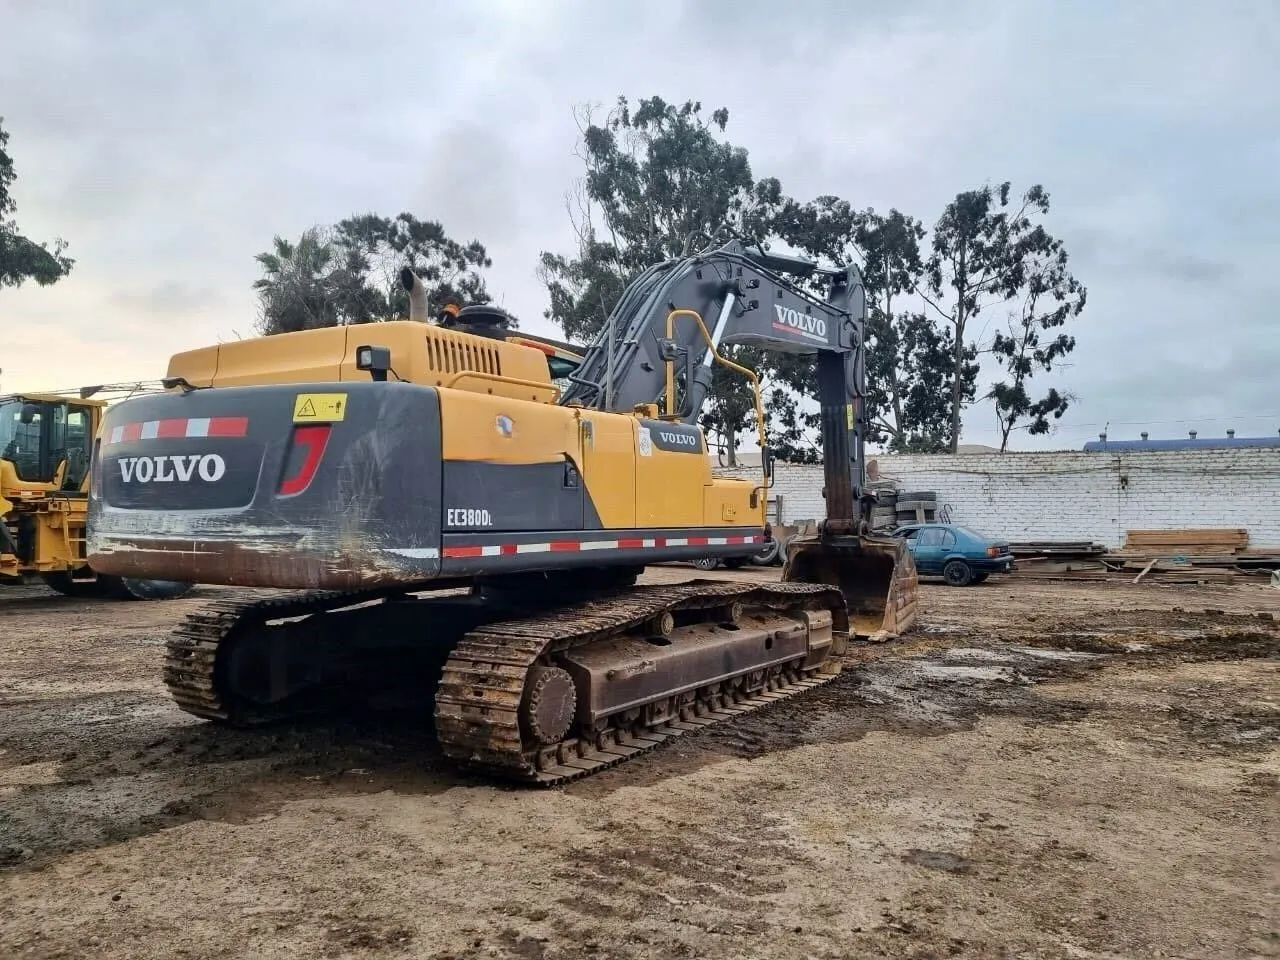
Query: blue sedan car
{"x": 959, "y": 555}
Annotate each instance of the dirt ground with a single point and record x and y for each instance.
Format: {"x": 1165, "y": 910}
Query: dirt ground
{"x": 1044, "y": 769}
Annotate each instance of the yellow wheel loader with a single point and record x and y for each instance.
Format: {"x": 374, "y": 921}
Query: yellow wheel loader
{"x": 45, "y": 444}
{"x": 446, "y": 515}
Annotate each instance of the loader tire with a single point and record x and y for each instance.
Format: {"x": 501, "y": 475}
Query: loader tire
{"x": 911, "y": 506}
{"x": 127, "y": 588}
{"x": 61, "y": 582}
{"x": 930, "y": 495}
{"x": 883, "y": 516}
{"x": 768, "y": 553}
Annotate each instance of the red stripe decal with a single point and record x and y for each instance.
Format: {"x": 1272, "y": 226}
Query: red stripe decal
{"x": 560, "y": 545}
{"x": 697, "y": 541}
{"x": 508, "y": 549}
{"x": 228, "y": 426}
{"x": 464, "y": 551}
{"x": 630, "y": 544}
{"x": 177, "y": 428}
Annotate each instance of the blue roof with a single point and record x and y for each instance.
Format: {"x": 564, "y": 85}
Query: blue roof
{"x": 1185, "y": 443}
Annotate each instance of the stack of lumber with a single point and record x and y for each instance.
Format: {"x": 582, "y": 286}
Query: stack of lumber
{"x": 1058, "y": 558}
{"x": 1211, "y": 542}
{"x": 1171, "y": 556}
{"x": 1065, "y": 549}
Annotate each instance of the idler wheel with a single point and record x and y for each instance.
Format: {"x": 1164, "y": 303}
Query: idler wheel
{"x": 549, "y": 704}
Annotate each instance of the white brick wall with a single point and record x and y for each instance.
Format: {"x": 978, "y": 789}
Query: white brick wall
{"x": 1073, "y": 495}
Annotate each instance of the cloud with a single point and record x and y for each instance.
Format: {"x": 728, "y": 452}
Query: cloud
{"x": 169, "y": 142}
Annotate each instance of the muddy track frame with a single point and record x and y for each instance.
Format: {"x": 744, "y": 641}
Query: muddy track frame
{"x": 478, "y": 705}
{"x": 487, "y": 673}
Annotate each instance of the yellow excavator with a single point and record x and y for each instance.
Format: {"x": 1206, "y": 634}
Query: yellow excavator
{"x": 45, "y": 445}
{"x": 422, "y": 503}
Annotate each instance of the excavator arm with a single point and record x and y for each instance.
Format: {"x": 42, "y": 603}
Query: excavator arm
{"x": 664, "y": 335}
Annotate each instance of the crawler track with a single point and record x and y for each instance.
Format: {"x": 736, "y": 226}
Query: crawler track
{"x": 478, "y": 700}
{"x": 204, "y": 638}
{"x": 478, "y": 704}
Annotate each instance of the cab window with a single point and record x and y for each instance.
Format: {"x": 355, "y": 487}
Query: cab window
{"x": 77, "y": 445}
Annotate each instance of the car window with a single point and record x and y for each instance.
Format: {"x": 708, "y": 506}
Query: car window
{"x": 931, "y": 537}
{"x": 948, "y": 539}
{"x": 968, "y": 532}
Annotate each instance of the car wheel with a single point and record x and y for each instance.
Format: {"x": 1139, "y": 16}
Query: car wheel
{"x": 706, "y": 563}
{"x": 957, "y": 573}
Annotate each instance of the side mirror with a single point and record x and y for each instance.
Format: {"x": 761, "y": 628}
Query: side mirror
{"x": 767, "y": 460}
{"x": 376, "y": 360}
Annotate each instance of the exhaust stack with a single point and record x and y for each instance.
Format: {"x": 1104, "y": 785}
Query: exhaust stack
{"x": 417, "y": 295}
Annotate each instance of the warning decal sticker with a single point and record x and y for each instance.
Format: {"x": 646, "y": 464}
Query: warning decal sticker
{"x": 319, "y": 407}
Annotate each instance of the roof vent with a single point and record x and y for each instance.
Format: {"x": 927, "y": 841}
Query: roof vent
{"x": 1193, "y": 434}
{"x": 1231, "y": 434}
{"x": 1144, "y": 434}
{"x": 1102, "y": 437}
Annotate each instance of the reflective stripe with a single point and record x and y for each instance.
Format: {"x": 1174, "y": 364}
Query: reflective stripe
{"x": 180, "y": 427}
{"x": 457, "y": 551}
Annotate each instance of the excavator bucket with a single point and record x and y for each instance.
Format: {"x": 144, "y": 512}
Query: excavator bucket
{"x": 877, "y": 576}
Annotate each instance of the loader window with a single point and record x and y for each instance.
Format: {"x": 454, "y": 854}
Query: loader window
{"x": 20, "y": 425}
{"x": 37, "y": 436}
{"x": 70, "y": 440}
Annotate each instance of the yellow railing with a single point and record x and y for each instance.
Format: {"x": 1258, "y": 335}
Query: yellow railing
{"x": 461, "y": 375}
{"x": 723, "y": 361}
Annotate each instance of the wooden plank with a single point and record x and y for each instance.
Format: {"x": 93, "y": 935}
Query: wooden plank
{"x": 1145, "y": 570}
{"x": 1188, "y": 538}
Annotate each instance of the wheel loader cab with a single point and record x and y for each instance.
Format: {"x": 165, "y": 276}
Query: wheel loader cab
{"x": 46, "y": 442}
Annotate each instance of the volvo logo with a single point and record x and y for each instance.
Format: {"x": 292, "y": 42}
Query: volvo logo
{"x": 803, "y": 323}
{"x": 208, "y": 467}
{"x": 679, "y": 439}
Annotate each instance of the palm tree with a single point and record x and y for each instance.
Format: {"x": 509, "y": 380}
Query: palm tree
{"x": 297, "y": 290}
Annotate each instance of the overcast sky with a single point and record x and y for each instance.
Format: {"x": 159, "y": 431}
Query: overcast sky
{"x": 169, "y": 142}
